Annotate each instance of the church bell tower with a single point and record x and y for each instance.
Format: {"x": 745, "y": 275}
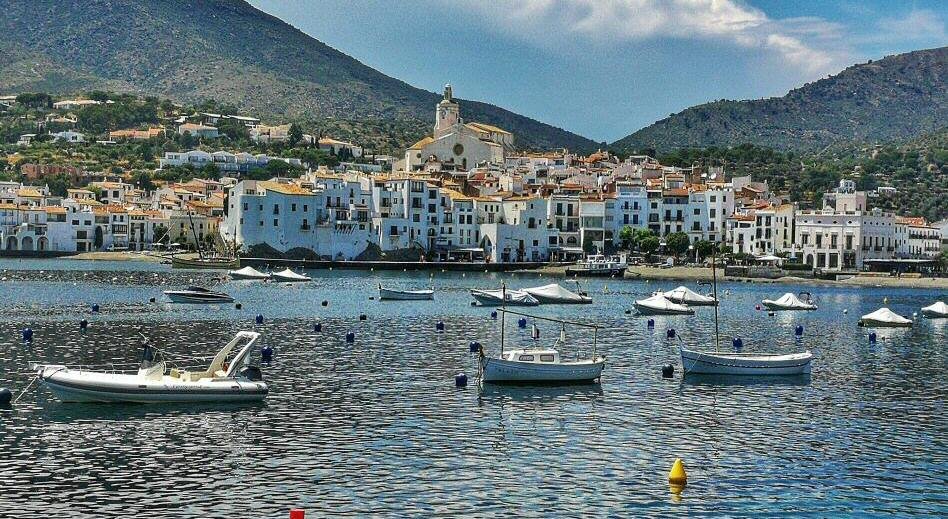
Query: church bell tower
{"x": 447, "y": 114}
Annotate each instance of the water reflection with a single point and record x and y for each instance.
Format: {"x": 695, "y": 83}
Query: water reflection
{"x": 701, "y": 379}
{"x": 497, "y": 393}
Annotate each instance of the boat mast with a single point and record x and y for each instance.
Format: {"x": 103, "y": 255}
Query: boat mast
{"x": 197, "y": 242}
{"x": 714, "y": 293}
{"x": 503, "y": 315}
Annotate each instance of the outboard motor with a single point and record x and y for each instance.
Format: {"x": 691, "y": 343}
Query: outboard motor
{"x": 251, "y": 373}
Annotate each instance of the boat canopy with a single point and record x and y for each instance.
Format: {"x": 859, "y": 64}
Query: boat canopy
{"x": 658, "y": 302}
{"x": 884, "y": 315}
{"x": 939, "y": 309}
{"x": 289, "y": 274}
{"x": 789, "y": 300}
{"x": 554, "y": 293}
{"x": 686, "y": 295}
{"x": 249, "y": 272}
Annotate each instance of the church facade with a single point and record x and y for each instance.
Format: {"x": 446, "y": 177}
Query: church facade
{"x": 454, "y": 142}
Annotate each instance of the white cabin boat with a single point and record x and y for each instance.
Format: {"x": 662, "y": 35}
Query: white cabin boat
{"x": 937, "y": 310}
{"x": 198, "y": 295}
{"x": 599, "y": 265}
{"x": 884, "y": 317}
{"x": 248, "y": 273}
{"x": 658, "y": 304}
{"x": 225, "y": 379}
{"x": 754, "y": 364}
{"x": 501, "y": 297}
{"x": 686, "y": 296}
{"x": 540, "y": 365}
{"x": 389, "y": 294}
{"x": 789, "y": 301}
{"x": 555, "y": 294}
{"x": 288, "y": 276}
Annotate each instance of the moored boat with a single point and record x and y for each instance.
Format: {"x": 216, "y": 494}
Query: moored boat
{"x": 198, "y": 295}
{"x": 503, "y": 296}
{"x": 738, "y": 363}
{"x": 248, "y": 272}
{"x": 205, "y": 263}
{"x": 288, "y": 276}
{"x": 658, "y": 304}
{"x": 884, "y": 318}
{"x": 556, "y": 294}
{"x": 789, "y": 301}
{"x": 389, "y": 294}
{"x": 686, "y": 296}
{"x": 937, "y": 310}
{"x": 598, "y": 265}
{"x": 227, "y": 379}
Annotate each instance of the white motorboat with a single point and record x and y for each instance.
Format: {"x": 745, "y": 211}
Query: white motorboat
{"x": 501, "y": 297}
{"x": 227, "y": 379}
{"x": 937, "y": 310}
{"x": 555, "y": 294}
{"x": 540, "y": 365}
{"x": 759, "y": 364}
{"x": 686, "y": 296}
{"x": 658, "y": 304}
{"x": 599, "y": 265}
{"x": 789, "y": 301}
{"x": 199, "y": 295}
{"x": 288, "y": 276}
{"x": 248, "y": 273}
{"x": 884, "y": 317}
{"x": 389, "y": 294}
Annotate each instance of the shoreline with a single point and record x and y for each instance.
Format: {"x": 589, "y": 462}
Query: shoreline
{"x": 634, "y": 272}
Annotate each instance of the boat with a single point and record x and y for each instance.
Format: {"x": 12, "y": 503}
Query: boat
{"x": 288, "y": 276}
{"x": 540, "y": 365}
{"x": 205, "y": 263}
{"x": 658, "y": 304}
{"x": 195, "y": 294}
{"x": 729, "y": 364}
{"x": 937, "y": 310}
{"x": 686, "y": 296}
{"x": 789, "y": 301}
{"x": 725, "y": 363}
{"x": 598, "y": 265}
{"x": 555, "y": 294}
{"x": 248, "y": 273}
{"x": 388, "y": 294}
{"x": 503, "y": 296}
{"x": 226, "y": 379}
{"x": 884, "y": 317}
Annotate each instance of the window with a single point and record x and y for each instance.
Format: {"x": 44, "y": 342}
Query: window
{"x": 293, "y": 207}
{"x": 276, "y": 222}
{"x": 697, "y": 211}
{"x": 245, "y": 206}
{"x": 544, "y": 357}
{"x": 276, "y": 209}
{"x": 525, "y": 358}
{"x": 713, "y": 199}
{"x": 305, "y": 208}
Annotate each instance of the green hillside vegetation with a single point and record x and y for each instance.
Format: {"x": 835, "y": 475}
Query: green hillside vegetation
{"x": 896, "y": 98}
{"x": 198, "y": 50}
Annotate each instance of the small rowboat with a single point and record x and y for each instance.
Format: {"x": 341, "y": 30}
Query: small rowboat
{"x": 658, "y": 304}
{"x": 554, "y": 294}
{"x": 288, "y": 276}
{"x": 388, "y": 294}
{"x": 686, "y": 296}
{"x": 759, "y": 364}
{"x": 788, "y": 301}
{"x": 225, "y": 380}
{"x": 885, "y": 318}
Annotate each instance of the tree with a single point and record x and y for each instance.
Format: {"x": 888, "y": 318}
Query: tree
{"x": 704, "y": 248}
{"x": 142, "y": 180}
{"x": 96, "y": 192}
{"x": 626, "y": 237}
{"x": 210, "y": 171}
{"x": 649, "y": 245}
{"x": 160, "y": 234}
{"x": 677, "y": 243}
{"x": 295, "y": 135}
{"x": 58, "y": 185}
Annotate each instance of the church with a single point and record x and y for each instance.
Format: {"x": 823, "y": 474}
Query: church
{"x": 455, "y": 142}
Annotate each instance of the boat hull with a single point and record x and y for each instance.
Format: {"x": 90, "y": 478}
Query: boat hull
{"x": 870, "y": 323}
{"x": 708, "y": 363}
{"x": 648, "y": 310}
{"x": 249, "y": 277}
{"x": 197, "y": 263}
{"x": 488, "y": 299}
{"x": 597, "y": 273}
{"x": 71, "y": 389}
{"x": 282, "y": 279}
{"x": 405, "y": 295}
{"x": 197, "y": 299}
{"x": 685, "y": 301}
{"x": 504, "y": 371}
{"x": 773, "y": 305}
{"x": 585, "y": 300}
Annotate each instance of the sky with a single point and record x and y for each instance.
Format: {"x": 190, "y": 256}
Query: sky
{"x": 605, "y": 68}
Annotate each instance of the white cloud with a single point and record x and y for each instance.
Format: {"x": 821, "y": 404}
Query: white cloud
{"x": 918, "y": 24}
{"x": 811, "y": 44}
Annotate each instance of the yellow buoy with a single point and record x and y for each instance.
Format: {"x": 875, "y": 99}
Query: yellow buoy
{"x": 677, "y": 475}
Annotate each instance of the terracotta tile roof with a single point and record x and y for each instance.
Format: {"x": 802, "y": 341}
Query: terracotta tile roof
{"x": 286, "y": 189}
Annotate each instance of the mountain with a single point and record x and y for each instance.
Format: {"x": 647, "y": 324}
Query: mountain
{"x": 896, "y": 98}
{"x": 223, "y": 50}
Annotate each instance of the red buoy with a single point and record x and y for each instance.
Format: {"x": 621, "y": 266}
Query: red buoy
{"x": 296, "y": 513}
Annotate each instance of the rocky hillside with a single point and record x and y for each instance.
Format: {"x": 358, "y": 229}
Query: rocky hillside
{"x": 896, "y": 98}
{"x": 226, "y": 50}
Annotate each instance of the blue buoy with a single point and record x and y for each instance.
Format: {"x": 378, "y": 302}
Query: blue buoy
{"x": 799, "y": 330}
{"x": 83, "y": 324}
{"x": 493, "y": 314}
{"x": 325, "y": 303}
{"x": 439, "y": 326}
{"x": 6, "y": 396}
{"x": 151, "y": 299}
{"x": 259, "y": 318}
{"x": 738, "y": 343}
{"x": 266, "y": 354}
{"x": 670, "y": 333}
{"x": 475, "y": 346}
{"x": 872, "y": 337}
{"x": 651, "y": 324}
{"x": 350, "y": 337}
{"x": 318, "y": 327}
{"x": 238, "y": 306}
{"x": 362, "y": 317}
{"x": 522, "y": 323}
{"x": 27, "y": 335}
{"x": 95, "y": 308}
{"x": 460, "y": 380}
{"x": 668, "y": 371}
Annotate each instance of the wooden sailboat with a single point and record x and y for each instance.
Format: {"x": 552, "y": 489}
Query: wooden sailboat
{"x": 204, "y": 261}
